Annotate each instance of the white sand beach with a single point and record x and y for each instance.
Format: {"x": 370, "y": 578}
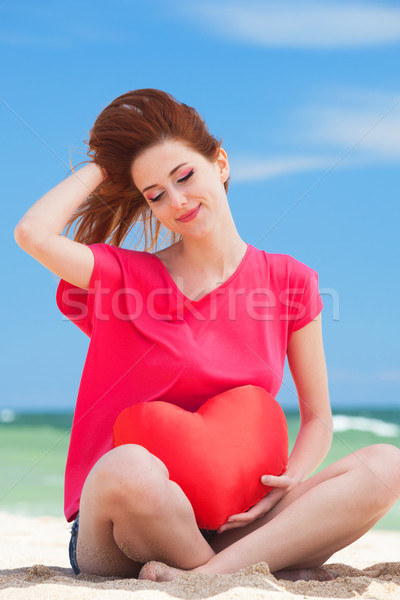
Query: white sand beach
{"x": 34, "y": 563}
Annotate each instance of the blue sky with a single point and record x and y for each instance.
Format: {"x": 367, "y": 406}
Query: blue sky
{"x": 306, "y": 98}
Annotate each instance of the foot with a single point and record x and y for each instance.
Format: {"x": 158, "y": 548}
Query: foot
{"x": 159, "y": 571}
{"x": 317, "y": 574}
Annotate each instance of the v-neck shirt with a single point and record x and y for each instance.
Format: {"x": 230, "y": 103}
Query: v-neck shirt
{"x": 216, "y": 289}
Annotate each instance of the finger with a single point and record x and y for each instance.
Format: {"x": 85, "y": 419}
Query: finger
{"x": 244, "y": 519}
{"x": 282, "y": 481}
{"x": 238, "y": 520}
{"x": 228, "y": 526}
{"x": 249, "y": 515}
{"x": 256, "y": 511}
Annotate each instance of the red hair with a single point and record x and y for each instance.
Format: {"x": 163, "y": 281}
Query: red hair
{"x": 129, "y": 125}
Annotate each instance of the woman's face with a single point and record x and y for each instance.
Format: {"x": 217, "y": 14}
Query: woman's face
{"x": 176, "y": 180}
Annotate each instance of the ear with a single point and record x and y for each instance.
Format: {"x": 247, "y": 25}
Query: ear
{"x": 223, "y": 165}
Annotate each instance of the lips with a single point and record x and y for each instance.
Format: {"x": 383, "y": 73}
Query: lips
{"x": 190, "y": 214}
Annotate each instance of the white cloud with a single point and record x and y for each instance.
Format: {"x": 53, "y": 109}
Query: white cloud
{"x": 344, "y": 375}
{"x": 311, "y": 24}
{"x": 353, "y": 129}
{"x": 248, "y": 169}
{"x": 389, "y": 375}
{"x": 21, "y": 38}
{"x": 369, "y": 121}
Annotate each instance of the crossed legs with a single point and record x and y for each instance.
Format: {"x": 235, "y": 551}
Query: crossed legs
{"x": 131, "y": 514}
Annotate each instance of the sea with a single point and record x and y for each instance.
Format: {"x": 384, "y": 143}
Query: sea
{"x": 34, "y": 446}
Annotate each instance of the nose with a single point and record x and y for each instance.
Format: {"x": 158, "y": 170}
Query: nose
{"x": 177, "y": 198}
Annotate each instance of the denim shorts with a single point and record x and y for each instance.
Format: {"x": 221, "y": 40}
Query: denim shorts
{"x": 206, "y": 533}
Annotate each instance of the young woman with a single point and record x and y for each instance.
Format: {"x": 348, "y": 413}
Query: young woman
{"x": 177, "y": 325}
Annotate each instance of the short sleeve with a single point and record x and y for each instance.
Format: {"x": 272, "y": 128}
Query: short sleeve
{"x": 80, "y": 306}
{"x": 305, "y": 299}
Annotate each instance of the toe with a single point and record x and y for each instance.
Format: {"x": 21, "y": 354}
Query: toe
{"x": 147, "y": 572}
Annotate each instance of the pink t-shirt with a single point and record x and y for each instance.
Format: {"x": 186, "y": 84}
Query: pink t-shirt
{"x": 150, "y": 342}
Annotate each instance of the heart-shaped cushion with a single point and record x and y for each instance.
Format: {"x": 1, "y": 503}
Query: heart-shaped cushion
{"x": 217, "y": 454}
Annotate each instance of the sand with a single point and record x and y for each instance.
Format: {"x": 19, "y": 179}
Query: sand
{"x": 34, "y": 563}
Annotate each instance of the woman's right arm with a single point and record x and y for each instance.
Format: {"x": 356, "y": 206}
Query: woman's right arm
{"x": 39, "y": 232}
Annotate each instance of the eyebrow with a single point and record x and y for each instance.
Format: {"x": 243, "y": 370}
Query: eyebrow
{"x": 171, "y": 173}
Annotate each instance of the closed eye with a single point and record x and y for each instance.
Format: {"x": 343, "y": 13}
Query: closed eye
{"x": 188, "y": 176}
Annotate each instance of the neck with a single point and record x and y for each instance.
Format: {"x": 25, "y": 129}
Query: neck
{"x": 214, "y": 255}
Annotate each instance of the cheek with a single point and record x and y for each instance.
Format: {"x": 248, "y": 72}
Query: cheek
{"x": 161, "y": 212}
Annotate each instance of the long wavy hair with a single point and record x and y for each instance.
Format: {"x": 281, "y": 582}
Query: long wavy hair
{"x": 129, "y": 125}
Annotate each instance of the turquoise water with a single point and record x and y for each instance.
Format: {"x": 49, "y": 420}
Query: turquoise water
{"x": 34, "y": 446}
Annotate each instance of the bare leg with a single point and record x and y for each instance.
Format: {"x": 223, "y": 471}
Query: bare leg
{"x": 319, "y": 517}
{"x": 131, "y": 513}
{"x": 324, "y": 519}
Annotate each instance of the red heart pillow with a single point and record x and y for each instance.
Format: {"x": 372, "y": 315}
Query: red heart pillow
{"x": 217, "y": 454}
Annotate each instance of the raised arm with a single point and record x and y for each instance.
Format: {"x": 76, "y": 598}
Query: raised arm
{"x": 39, "y": 232}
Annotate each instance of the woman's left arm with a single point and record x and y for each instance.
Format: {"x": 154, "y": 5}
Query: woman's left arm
{"x": 307, "y": 365}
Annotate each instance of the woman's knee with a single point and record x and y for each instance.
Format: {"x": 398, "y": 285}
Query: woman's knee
{"x": 130, "y": 474}
{"x": 381, "y": 463}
